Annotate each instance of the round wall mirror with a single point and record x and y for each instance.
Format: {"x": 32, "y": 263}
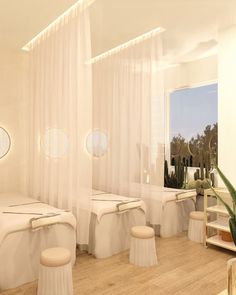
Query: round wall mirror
{"x": 97, "y": 143}
{"x": 5, "y": 142}
{"x": 55, "y": 143}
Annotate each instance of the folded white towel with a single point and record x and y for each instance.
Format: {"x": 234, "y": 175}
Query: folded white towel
{"x": 16, "y": 213}
{"x": 107, "y": 203}
{"x": 128, "y": 205}
{"x": 53, "y": 218}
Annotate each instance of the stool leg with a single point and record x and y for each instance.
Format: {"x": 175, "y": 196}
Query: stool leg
{"x": 55, "y": 280}
{"x": 143, "y": 252}
{"x": 196, "y": 230}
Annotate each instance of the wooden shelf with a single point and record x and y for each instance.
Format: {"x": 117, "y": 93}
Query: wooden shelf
{"x": 218, "y": 225}
{"x": 221, "y": 219}
{"x": 223, "y": 192}
{"x": 217, "y": 209}
{"x": 217, "y": 241}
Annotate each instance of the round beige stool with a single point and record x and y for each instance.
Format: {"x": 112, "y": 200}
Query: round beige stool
{"x": 196, "y": 226}
{"x": 142, "y": 246}
{"x": 55, "y": 272}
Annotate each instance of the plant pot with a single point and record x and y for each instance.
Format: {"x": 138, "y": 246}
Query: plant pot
{"x": 225, "y": 236}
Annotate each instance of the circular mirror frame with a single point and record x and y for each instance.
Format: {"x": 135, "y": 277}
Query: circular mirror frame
{"x": 46, "y": 141}
{"x": 9, "y": 143}
{"x": 89, "y": 143}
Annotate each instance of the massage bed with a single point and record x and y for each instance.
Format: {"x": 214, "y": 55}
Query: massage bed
{"x": 112, "y": 217}
{"x": 168, "y": 209}
{"x": 27, "y": 227}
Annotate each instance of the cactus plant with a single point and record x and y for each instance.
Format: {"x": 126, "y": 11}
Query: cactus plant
{"x": 185, "y": 175}
{"x": 175, "y": 179}
{"x": 201, "y": 169}
{"x": 196, "y": 174}
{"x": 169, "y": 180}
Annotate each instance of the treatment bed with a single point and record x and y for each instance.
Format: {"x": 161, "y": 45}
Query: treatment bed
{"x": 168, "y": 210}
{"x": 112, "y": 217}
{"x": 27, "y": 227}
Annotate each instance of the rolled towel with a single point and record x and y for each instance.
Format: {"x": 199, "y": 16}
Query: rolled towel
{"x": 124, "y": 206}
{"x": 52, "y": 218}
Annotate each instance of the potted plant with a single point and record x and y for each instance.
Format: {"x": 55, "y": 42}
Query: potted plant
{"x": 231, "y": 211}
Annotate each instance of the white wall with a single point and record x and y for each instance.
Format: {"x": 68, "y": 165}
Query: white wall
{"x": 195, "y": 72}
{"x": 13, "y": 117}
{"x": 227, "y": 102}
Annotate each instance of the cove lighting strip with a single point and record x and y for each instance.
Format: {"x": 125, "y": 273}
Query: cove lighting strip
{"x": 27, "y": 46}
{"x": 128, "y": 44}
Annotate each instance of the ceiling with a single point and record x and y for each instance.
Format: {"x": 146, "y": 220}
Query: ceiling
{"x": 21, "y": 20}
{"x": 191, "y": 25}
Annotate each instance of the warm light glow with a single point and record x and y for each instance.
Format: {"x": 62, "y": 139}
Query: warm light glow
{"x": 97, "y": 143}
{"x": 55, "y": 143}
{"x": 5, "y": 142}
{"x": 128, "y": 44}
{"x": 27, "y": 46}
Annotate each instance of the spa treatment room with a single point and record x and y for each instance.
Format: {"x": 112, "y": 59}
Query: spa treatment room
{"x": 117, "y": 147}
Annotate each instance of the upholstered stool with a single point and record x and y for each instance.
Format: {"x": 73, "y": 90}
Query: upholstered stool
{"x": 142, "y": 246}
{"x": 55, "y": 272}
{"x": 196, "y": 226}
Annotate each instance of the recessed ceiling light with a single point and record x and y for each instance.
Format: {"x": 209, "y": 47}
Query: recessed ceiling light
{"x": 28, "y": 46}
{"x": 128, "y": 44}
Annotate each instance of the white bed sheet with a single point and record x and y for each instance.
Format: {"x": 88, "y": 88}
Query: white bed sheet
{"x": 20, "y": 250}
{"x": 111, "y": 234}
{"x": 109, "y": 229}
{"x": 165, "y": 213}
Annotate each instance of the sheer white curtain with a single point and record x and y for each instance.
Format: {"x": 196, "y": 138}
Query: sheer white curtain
{"x": 61, "y": 116}
{"x": 128, "y": 105}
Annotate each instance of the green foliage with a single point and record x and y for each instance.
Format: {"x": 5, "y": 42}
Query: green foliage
{"x": 200, "y": 151}
{"x": 232, "y": 226}
{"x": 176, "y": 179}
{"x": 227, "y": 183}
{"x": 169, "y": 180}
{"x": 232, "y": 213}
{"x": 201, "y": 185}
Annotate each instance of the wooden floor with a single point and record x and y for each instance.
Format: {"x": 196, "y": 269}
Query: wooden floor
{"x": 185, "y": 268}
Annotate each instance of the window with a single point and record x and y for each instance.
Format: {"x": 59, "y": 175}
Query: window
{"x": 193, "y": 126}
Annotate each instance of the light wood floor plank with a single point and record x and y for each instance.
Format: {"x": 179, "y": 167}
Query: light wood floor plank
{"x": 184, "y": 268}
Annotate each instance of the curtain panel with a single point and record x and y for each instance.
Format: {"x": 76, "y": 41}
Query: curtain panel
{"x": 128, "y": 106}
{"x": 61, "y": 116}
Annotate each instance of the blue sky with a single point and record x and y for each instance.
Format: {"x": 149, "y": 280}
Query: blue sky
{"x": 191, "y": 109}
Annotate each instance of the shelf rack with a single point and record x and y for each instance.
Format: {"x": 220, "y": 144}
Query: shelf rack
{"x": 221, "y": 221}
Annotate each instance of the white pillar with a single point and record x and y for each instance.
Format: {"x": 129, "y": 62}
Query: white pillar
{"x": 227, "y": 102}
